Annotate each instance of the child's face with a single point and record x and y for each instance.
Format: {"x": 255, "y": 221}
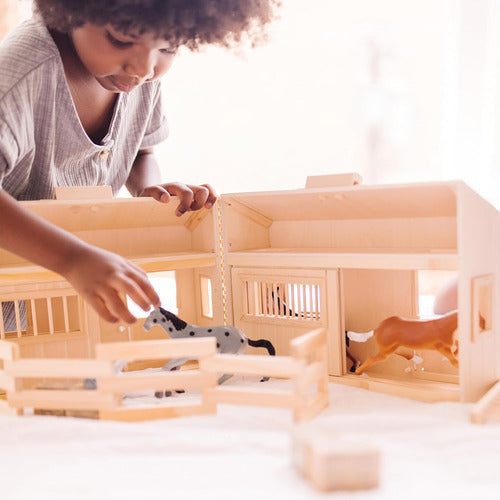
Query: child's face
{"x": 121, "y": 62}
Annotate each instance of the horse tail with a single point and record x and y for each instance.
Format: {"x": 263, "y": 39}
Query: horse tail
{"x": 359, "y": 337}
{"x": 263, "y": 343}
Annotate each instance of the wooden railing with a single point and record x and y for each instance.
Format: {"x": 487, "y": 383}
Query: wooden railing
{"x": 306, "y": 368}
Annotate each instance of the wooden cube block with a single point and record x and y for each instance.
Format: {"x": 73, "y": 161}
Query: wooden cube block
{"x": 331, "y": 462}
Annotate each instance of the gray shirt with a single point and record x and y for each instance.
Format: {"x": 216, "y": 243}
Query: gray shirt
{"x": 42, "y": 141}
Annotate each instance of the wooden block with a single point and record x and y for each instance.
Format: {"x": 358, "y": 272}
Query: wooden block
{"x": 330, "y": 462}
{"x": 334, "y": 180}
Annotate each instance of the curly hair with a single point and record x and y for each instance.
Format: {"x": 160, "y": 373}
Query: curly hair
{"x": 181, "y": 22}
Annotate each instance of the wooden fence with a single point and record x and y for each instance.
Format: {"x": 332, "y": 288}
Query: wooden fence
{"x": 306, "y": 368}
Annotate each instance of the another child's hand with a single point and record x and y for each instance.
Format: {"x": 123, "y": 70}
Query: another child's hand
{"x": 102, "y": 278}
{"x": 190, "y": 197}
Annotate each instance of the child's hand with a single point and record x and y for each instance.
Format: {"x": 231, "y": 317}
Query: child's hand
{"x": 190, "y": 197}
{"x": 102, "y": 278}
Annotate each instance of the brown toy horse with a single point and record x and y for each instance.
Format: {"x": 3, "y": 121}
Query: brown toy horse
{"x": 396, "y": 332}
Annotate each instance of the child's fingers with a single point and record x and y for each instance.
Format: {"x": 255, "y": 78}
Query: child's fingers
{"x": 98, "y": 305}
{"x": 141, "y": 278}
{"x": 159, "y": 193}
{"x": 132, "y": 288}
{"x": 185, "y": 195}
{"x": 117, "y": 307}
{"x": 212, "y": 196}
{"x": 200, "y": 197}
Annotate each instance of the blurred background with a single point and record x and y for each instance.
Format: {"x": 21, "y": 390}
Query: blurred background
{"x": 398, "y": 91}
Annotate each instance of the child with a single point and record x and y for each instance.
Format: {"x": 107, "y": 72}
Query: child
{"x": 80, "y": 104}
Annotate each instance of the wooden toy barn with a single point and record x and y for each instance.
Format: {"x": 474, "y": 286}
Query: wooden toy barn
{"x": 346, "y": 257}
{"x": 288, "y": 266}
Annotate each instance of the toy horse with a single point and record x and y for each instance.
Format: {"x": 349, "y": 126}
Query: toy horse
{"x": 230, "y": 340}
{"x": 396, "y": 332}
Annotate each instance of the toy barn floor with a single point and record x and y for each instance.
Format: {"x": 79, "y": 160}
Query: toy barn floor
{"x": 428, "y": 450}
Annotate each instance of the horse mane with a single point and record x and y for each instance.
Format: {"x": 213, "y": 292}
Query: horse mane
{"x": 178, "y": 323}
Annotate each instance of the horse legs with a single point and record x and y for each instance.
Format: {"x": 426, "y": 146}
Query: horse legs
{"x": 380, "y": 356}
{"x": 170, "y": 366}
{"x": 224, "y": 377}
{"x": 446, "y": 351}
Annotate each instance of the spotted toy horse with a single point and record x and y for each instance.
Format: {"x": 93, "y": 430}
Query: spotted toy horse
{"x": 229, "y": 339}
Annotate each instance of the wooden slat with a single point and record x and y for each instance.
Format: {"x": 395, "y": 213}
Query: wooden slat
{"x": 157, "y": 412}
{"x": 487, "y": 407}
{"x": 5, "y": 409}
{"x": 154, "y": 349}
{"x": 26, "y": 340}
{"x": 250, "y": 213}
{"x": 251, "y": 396}
{"x": 55, "y": 368}
{"x": 49, "y": 313}
{"x": 335, "y": 259}
{"x": 61, "y": 400}
{"x": 2, "y": 327}
{"x": 272, "y": 366}
{"x": 318, "y": 403}
{"x": 33, "y": 317}
{"x": 65, "y": 313}
{"x": 312, "y": 375}
{"x": 309, "y": 342}
{"x": 157, "y": 381}
{"x": 6, "y": 382}
{"x": 18, "y": 318}
{"x": 8, "y": 350}
{"x": 36, "y": 294}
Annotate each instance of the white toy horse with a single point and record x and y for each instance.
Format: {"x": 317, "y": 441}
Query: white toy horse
{"x": 229, "y": 339}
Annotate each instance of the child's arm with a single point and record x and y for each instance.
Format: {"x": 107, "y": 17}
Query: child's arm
{"x": 145, "y": 180}
{"x": 99, "y": 276}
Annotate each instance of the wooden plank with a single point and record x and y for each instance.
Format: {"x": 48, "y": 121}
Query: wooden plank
{"x": 271, "y": 366}
{"x": 195, "y": 218}
{"x": 154, "y": 349}
{"x": 333, "y": 180}
{"x": 6, "y": 382}
{"x": 306, "y": 344}
{"x": 313, "y": 374}
{"x": 249, "y": 212}
{"x": 335, "y": 259}
{"x": 8, "y": 350}
{"x": 192, "y": 379}
{"x": 55, "y": 368}
{"x": 304, "y": 413}
{"x": 429, "y": 392}
{"x": 487, "y": 407}
{"x": 157, "y": 412}
{"x": 61, "y": 400}
{"x": 76, "y": 193}
{"x": 45, "y": 338}
{"x": 5, "y": 409}
{"x": 251, "y": 396}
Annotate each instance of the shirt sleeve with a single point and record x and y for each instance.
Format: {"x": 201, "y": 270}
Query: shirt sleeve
{"x": 157, "y": 127}
{"x": 9, "y": 149}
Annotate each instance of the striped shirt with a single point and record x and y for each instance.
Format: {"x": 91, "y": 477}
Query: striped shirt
{"x": 42, "y": 141}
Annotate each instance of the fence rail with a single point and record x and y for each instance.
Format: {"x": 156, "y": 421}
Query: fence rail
{"x": 306, "y": 368}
